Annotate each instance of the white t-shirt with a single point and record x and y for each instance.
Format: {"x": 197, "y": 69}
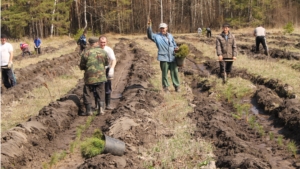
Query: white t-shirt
{"x": 199, "y": 30}
{"x": 110, "y": 53}
{"x": 5, "y": 53}
{"x": 260, "y": 31}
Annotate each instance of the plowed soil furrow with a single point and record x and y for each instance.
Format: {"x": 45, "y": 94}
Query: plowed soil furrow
{"x": 35, "y": 141}
{"x": 36, "y": 75}
{"x": 239, "y": 145}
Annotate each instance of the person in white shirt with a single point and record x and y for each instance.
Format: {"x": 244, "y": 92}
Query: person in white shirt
{"x": 260, "y": 34}
{"x": 109, "y": 70}
{"x": 8, "y": 76}
{"x": 199, "y": 31}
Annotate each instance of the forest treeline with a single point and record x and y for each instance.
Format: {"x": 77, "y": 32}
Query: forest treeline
{"x": 45, "y": 18}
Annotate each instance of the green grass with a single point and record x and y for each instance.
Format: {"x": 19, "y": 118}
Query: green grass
{"x": 271, "y": 136}
{"x": 280, "y": 140}
{"x": 292, "y": 148}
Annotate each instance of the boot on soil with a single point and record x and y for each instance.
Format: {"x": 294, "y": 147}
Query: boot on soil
{"x": 166, "y": 90}
{"x": 107, "y": 102}
{"x": 88, "y": 110}
{"x": 177, "y": 89}
{"x": 101, "y": 109}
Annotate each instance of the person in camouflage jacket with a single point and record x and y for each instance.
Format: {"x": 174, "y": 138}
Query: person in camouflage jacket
{"x": 93, "y": 62}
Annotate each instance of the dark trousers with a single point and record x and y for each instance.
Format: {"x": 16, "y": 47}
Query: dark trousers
{"x": 225, "y": 66}
{"x": 165, "y": 67}
{"x": 38, "y": 50}
{"x": 261, "y": 40}
{"x": 93, "y": 92}
{"x": 8, "y": 78}
{"x": 107, "y": 83}
{"x": 208, "y": 34}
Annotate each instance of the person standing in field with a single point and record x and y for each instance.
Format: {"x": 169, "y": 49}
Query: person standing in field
{"x": 199, "y": 31}
{"x": 226, "y": 50}
{"x": 37, "y": 45}
{"x": 166, "y": 46}
{"x": 260, "y": 34}
{"x": 93, "y": 62}
{"x": 7, "y": 55}
{"x": 208, "y": 32}
{"x": 82, "y": 42}
{"x": 109, "y": 70}
{"x": 25, "y": 49}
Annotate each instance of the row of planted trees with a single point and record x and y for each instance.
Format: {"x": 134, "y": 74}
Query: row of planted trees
{"x": 46, "y": 18}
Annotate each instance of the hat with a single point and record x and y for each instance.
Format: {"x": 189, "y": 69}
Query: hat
{"x": 226, "y": 25}
{"x": 93, "y": 40}
{"x": 163, "y": 25}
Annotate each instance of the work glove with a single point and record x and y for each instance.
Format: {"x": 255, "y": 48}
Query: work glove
{"x": 10, "y": 64}
{"x": 111, "y": 73}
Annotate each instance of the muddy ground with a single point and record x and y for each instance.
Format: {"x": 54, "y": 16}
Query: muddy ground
{"x": 237, "y": 144}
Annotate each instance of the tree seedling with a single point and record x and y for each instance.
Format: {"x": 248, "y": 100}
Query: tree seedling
{"x": 291, "y": 146}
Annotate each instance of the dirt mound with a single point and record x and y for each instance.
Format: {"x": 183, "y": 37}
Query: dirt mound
{"x": 132, "y": 121}
{"x": 38, "y": 74}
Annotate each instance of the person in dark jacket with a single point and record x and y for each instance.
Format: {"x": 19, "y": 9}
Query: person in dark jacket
{"x": 82, "y": 42}
{"x": 208, "y": 32}
{"x": 93, "y": 62}
{"x": 166, "y": 46}
{"x": 226, "y": 50}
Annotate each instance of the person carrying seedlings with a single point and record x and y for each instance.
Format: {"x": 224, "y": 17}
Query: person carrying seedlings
{"x": 37, "y": 45}
{"x": 7, "y": 55}
{"x": 109, "y": 70}
{"x": 25, "y": 49}
{"x": 82, "y": 42}
{"x": 260, "y": 34}
{"x": 93, "y": 62}
{"x": 226, "y": 50}
{"x": 166, "y": 46}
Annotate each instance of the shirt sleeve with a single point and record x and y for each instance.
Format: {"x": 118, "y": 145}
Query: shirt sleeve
{"x": 110, "y": 53}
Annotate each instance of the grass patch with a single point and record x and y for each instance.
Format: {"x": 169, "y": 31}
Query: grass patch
{"x": 180, "y": 150}
{"x": 292, "y": 148}
{"x": 269, "y": 70}
{"x": 20, "y": 111}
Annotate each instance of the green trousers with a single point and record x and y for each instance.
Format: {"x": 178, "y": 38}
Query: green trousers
{"x": 165, "y": 67}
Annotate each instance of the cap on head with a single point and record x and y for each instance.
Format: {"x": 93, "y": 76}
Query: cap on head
{"x": 163, "y": 25}
{"x": 93, "y": 40}
{"x": 226, "y": 25}
{"x": 3, "y": 36}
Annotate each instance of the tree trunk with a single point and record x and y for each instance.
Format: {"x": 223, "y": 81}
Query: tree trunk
{"x": 161, "y": 12}
{"x": 85, "y": 20}
{"x": 53, "y": 12}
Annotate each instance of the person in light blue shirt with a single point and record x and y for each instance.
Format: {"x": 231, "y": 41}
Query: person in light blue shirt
{"x": 37, "y": 45}
{"x": 166, "y": 46}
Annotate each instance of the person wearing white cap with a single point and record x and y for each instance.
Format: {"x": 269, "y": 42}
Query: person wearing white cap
{"x": 166, "y": 46}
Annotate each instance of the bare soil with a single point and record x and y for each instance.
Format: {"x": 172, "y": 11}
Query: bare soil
{"x": 237, "y": 145}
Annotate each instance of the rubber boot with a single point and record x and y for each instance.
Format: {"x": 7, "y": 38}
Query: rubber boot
{"x": 107, "y": 102}
{"x": 102, "y": 108}
{"x": 88, "y": 110}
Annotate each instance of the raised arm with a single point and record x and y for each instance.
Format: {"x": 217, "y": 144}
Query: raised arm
{"x": 150, "y": 34}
